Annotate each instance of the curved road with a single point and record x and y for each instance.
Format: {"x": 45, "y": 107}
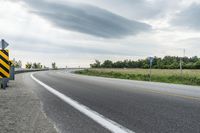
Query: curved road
{"x": 133, "y": 106}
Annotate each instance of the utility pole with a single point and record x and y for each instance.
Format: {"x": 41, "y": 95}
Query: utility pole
{"x": 181, "y": 62}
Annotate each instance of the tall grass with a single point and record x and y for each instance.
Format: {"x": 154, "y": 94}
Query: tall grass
{"x": 189, "y": 77}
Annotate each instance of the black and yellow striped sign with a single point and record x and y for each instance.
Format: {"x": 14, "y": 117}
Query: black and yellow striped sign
{"x": 4, "y": 64}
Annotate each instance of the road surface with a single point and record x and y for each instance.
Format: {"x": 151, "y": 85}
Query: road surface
{"x": 85, "y": 104}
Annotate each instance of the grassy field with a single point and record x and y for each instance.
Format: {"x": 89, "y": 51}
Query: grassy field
{"x": 189, "y": 77}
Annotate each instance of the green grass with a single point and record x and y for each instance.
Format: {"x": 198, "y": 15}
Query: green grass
{"x": 189, "y": 77}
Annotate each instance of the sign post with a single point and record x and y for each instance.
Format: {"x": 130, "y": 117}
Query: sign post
{"x": 150, "y": 66}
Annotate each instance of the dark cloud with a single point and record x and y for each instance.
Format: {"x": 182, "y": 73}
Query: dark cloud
{"x": 188, "y": 18}
{"x": 87, "y": 19}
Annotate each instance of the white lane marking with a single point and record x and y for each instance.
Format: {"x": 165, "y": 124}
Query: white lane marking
{"x": 103, "y": 121}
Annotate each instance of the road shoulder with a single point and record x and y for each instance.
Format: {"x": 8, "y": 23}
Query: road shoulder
{"x": 21, "y": 111}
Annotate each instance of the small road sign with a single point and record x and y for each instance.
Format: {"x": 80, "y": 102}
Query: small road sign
{"x": 4, "y": 44}
{"x": 150, "y": 60}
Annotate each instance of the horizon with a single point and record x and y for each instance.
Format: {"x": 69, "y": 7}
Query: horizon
{"x": 102, "y": 61}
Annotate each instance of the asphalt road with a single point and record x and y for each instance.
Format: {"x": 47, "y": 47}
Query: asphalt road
{"x": 140, "y": 107}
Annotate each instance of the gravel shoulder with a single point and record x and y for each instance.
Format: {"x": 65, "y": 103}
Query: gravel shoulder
{"x": 21, "y": 111}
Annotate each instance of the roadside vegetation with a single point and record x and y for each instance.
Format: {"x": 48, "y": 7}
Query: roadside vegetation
{"x": 163, "y": 70}
{"x": 189, "y": 77}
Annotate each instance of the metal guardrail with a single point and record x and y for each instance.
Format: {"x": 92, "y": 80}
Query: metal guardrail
{"x": 4, "y": 81}
{"x": 18, "y": 71}
{"x": 13, "y": 71}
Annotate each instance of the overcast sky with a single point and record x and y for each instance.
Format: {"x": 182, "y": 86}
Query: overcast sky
{"x": 76, "y": 32}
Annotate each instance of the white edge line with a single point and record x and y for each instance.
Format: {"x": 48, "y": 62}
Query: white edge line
{"x": 103, "y": 121}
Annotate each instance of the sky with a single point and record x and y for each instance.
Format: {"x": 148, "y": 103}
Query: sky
{"x": 74, "y": 33}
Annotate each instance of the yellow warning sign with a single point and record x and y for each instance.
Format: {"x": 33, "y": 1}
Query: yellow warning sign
{"x": 4, "y": 64}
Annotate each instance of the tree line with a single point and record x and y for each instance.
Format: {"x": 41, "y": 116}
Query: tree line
{"x": 36, "y": 65}
{"x": 28, "y": 65}
{"x": 167, "y": 62}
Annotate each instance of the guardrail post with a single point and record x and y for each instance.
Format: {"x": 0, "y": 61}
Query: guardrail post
{"x": 4, "y": 83}
{"x": 12, "y": 73}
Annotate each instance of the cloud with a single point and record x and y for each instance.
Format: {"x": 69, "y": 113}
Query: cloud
{"x": 188, "y": 18}
{"x": 137, "y": 9}
{"x": 32, "y": 27}
{"x": 141, "y": 9}
{"x": 87, "y": 19}
{"x": 39, "y": 45}
{"x": 190, "y": 43}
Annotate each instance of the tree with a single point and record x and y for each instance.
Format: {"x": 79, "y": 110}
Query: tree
{"x": 194, "y": 59}
{"x": 36, "y": 65}
{"x": 107, "y": 64}
{"x": 28, "y": 65}
{"x": 197, "y": 64}
{"x": 18, "y": 64}
{"x": 97, "y": 64}
{"x": 54, "y": 65}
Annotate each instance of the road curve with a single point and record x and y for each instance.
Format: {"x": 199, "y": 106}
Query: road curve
{"x": 140, "y": 107}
